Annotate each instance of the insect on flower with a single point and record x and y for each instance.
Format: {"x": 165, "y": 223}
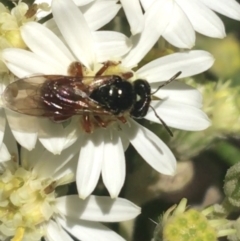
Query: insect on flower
{"x": 99, "y": 99}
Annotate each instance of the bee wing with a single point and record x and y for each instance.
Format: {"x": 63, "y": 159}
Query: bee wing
{"x": 25, "y": 96}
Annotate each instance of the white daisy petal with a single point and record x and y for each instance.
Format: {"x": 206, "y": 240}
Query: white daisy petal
{"x": 134, "y": 15}
{"x": 143, "y": 42}
{"x": 34, "y": 157}
{"x": 180, "y": 93}
{"x": 88, "y": 231}
{"x": 202, "y": 18}
{"x": 179, "y": 31}
{"x": 2, "y": 124}
{"x": 82, "y": 2}
{"x": 179, "y": 115}
{"x": 24, "y": 128}
{"x": 150, "y": 147}
{"x": 189, "y": 63}
{"x": 56, "y": 166}
{"x": 5, "y": 155}
{"x": 33, "y": 33}
{"x": 124, "y": 140}
{"x": 146, "y": 4}
{"x": 100, "y": 13}
{"x": 9, "y": 147}
{"x": 55, "y": 232}
{"x": 32, "y": 63}
{"x": 110, "y": 45}
{"x": 94, "y": 208}
{"x": 53, "y": 135}
{"x": 114, "y": 167}
{"x": 89, "y": 163}
{"x": 230, "y": 8}
{"x": 81, "y": 42}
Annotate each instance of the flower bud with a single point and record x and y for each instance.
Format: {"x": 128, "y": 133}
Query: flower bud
{"x": 190, "y": 225}
{"x": 232, "y": 185}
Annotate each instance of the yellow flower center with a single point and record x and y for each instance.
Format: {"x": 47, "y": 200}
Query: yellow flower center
{"x": 189, "y": 226}
{"x": 26, "y": 202}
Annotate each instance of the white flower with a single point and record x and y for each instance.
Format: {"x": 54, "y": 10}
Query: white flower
{"x": 177, "y": 20}
{"x": 97, "y": 12}
{"x": 103, "y": 150}
{"x": 31, "y": 207}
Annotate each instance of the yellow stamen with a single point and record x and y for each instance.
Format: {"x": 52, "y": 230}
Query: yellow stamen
{"x": 19, "y": 234}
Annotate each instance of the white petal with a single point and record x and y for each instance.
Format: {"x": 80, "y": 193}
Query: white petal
{"x": 179, "y": 115}
{"x": 88, "y": 231}
{"x": 55, "y": 135}
{"x": 180, "y": 93}
{"x": 134, "y": 15}
{"x": 75, "y": 30}
{"x": 32, "y": 63}
{"x": 110, "y": 45}
{"x": 2, "y": 124}
{"x": 54, "y": 166}
{"x": 30, "y": 159}
{"x": 5, "y": 155}
{"x": 54, "y": 232}
{"x": 94, "y": 208}
{"x": 230, "y": 8}
{"x": 114, "y": 167}
{"x": 153, "y": 29}
{"x": 90, "y": 163}
{"x": 189, "y": 63}
{"x": 204, "y": 20}
{"x": 24, "y": 128}
{"x": 146, "y": 4}
{"x": 100, "y": 13}
{"x": 8, "y": 148}
{"x": 125, "y": 141}
{"x": 179, "y": 31}
{"x": 47, "y": 45}
{"x": 150, "y": 147}
{"x": 82, "y": 2}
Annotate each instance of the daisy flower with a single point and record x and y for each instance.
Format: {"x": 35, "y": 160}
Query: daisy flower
{"x": 102, "y": 151}
{"x": 32, "y": 207}
{"x": 177, "y": 20}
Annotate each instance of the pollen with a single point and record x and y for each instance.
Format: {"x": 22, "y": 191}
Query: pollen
{"x": 26, "y": 203}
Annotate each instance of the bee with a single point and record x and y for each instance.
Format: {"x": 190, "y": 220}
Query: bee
{"x": 60, "y": 97}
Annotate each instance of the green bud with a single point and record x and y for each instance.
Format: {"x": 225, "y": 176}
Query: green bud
{"x": 232, "y": 185}
{"x": 181, "y": 224}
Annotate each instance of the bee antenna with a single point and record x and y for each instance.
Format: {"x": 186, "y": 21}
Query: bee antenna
{"x": 161, "y": 120}
{"x": 167, "y": 82}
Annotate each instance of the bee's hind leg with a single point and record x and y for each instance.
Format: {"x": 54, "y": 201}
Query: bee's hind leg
{"x": 75, "y": 69}
{"x": 100, "y": 121}
{"x": 86, "y": 124}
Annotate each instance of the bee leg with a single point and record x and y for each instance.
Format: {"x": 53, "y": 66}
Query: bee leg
{"x": 100, "y": 121}
{"x": 106, "y": 65}
{"x": 75, "y": 69}
{"x": 87, "y": 124}
{"x": 127, "y": 75}
{"x": 122, "y": 119}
